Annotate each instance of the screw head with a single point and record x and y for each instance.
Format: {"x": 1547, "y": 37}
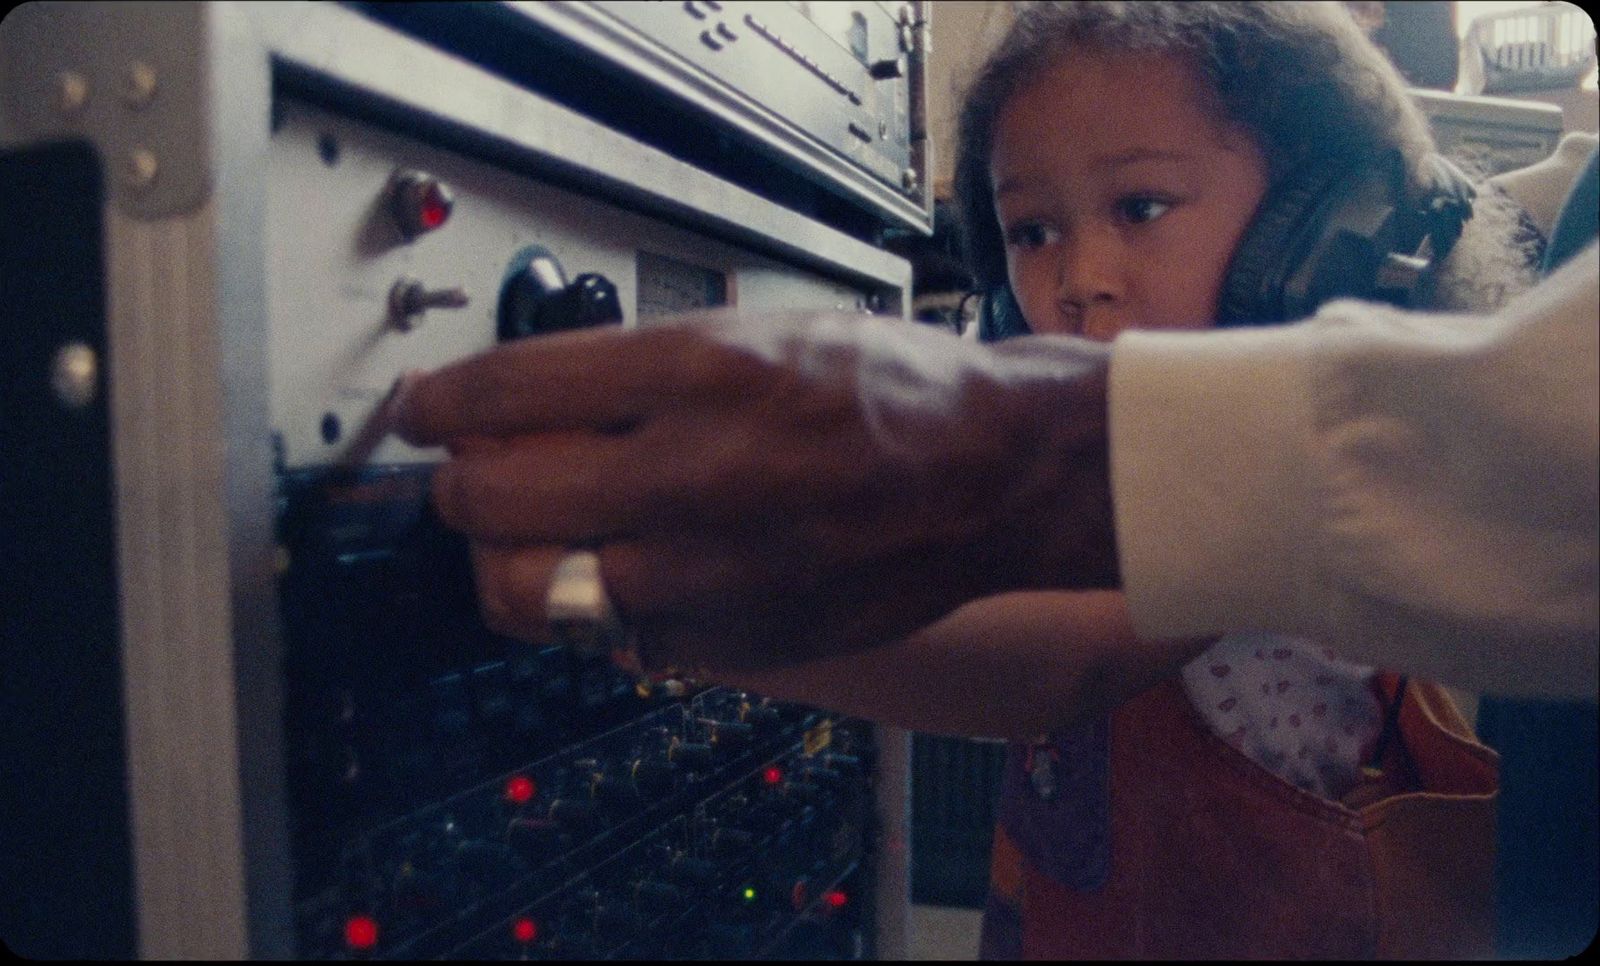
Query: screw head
{"x": 72, "y": 92}
{"x": 140, "y": 170}
{"x": 139, "y": 87}
{"x": 75, "y": 375}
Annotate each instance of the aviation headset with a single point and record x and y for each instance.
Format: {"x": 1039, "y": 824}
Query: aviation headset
{"x": 1329, "y": 230}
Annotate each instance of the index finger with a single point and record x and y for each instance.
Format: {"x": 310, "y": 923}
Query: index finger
{"x": 594, "y": 379}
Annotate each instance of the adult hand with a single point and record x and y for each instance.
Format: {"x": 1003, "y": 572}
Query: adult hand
{"x": 762, "y": 492}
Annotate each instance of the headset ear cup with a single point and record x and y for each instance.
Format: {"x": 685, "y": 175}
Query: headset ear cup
{"x": 1252, "y": 292}
{"x": 1343, "y": 230}
{"x": 1001, "y": 317}
{"x": 1446, "y": 204}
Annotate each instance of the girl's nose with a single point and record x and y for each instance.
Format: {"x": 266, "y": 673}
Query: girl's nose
{"x": 1089, "y": 272}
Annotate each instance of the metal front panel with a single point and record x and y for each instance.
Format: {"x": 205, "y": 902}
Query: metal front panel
{"x": 340, "y": 56}
{"x": 335, "y": 258}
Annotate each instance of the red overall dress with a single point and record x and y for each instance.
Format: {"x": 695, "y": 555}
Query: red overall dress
{"x": 1148, "y": 837}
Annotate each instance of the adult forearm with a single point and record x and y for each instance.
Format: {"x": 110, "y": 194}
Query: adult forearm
{"x": 1012, "y": 666}
{"x": 765, "y": 492}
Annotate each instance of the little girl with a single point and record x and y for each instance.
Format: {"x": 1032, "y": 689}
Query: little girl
{"x": 1151, "y": 164}
{"x": 1117, "y": 163}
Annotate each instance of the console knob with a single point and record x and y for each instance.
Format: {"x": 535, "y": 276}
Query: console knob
{"x": 537, "y": 299}
{"x": 590, "y": 300}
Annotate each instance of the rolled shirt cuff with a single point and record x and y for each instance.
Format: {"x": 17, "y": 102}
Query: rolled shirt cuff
{"x": 1210, "y": 436}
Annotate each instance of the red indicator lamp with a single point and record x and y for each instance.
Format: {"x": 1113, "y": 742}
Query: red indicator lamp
{"x": 835, "y": 899}
{"x": 361, "y": 933}
{"x": 435, "y": 208}
{"x": 524, "y": 930}
{"x": 772, "y": 775}
{"x": 520, "y": 789}
{"x": 419, "y": 203}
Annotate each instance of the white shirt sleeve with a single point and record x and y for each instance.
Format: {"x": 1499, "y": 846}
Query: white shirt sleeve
{"x": 1420, "y": 490}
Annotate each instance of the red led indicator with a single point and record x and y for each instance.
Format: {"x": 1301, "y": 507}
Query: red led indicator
{"x": 434, "y": 210}
{"x": 361, "y": 932}
{"x": 520, "y": 790}
{"x": 836, "y": 899}
{"x": 772, "y": 775}
{"x": 419, "y": 203}
{"x": 524, "y": 930}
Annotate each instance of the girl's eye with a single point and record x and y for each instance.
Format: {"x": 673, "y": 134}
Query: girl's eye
{"x": 1141, "y": 209}
{"x": 1030, "y": 235}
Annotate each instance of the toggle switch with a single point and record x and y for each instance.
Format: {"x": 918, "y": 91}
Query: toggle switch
{"x": 409, "y": 299}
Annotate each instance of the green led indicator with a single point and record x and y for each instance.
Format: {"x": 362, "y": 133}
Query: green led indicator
{"x": 749, "y": 894}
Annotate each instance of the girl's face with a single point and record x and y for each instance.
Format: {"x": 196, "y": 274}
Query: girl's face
{"x": 1120, "y": 197}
